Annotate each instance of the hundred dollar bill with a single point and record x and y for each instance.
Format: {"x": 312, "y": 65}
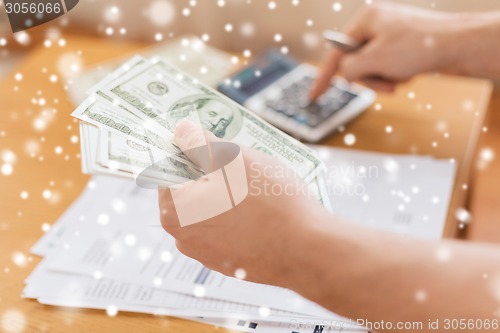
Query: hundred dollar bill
{"x": 106, "y": 152}
{"x": 135, "y": 129}
{"x": 120, "y": 153}
{"x": 135, "y": 61}
{"x": 159, "y": 92}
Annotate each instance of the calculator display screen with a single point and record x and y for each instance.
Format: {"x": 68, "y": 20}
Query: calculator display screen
{"x": 254, "y": 79}
{"x": 261, "y": 73}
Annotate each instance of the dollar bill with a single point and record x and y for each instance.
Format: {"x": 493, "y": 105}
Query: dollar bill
{"x": 130, "y": 117}
{"x": 135, "y": 129}
{"x": 157, "y": 91}
{"x": 107, "y": 152}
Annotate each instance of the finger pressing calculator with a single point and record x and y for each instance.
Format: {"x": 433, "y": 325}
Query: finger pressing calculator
{"x": 276, "y": 87}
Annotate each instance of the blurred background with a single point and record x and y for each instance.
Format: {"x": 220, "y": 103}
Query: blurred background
{"x": 233, "y": 25}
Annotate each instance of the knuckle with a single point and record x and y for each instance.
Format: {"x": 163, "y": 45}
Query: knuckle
{"x": 346, "y": 67}
{"x": 185, "y": 250}
{"x": 167, "y": 225}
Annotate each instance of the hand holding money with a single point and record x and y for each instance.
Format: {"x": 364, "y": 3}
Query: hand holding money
{"x": 268, "y": 229}
{"x": 130, "y": 116}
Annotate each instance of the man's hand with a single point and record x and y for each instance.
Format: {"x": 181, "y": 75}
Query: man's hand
{"x": 291, "y": 241}
{"x": 260, "y": 234}
{"x": 402, "y": 41}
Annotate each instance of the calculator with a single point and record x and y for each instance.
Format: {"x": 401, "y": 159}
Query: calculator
{"x": 276, "y": 87}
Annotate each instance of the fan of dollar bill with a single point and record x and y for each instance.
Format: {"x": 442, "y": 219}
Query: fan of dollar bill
{"x": 127, "y": 125}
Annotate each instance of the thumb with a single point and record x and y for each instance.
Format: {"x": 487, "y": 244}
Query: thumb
{"x": 189, "y": 135}
{"x": 198, "y": 144}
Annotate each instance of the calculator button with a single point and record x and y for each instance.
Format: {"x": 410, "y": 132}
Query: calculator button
{"x": 314, "y": 120}
{"x": 291, "y": 111}
{"x": 326, "y": 112}
{"x": 303, "y": 119}
{"x": 346, "y": 97}
{"x": 293, "y": 102}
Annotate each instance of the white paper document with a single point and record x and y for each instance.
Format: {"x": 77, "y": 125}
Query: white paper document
{"x": 404, "y": 194}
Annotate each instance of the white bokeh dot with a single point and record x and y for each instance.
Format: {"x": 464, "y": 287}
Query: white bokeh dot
{"x": 420, "y": 295}
{"x": 22, "y": 38}
{"x": 130, "y": 240}
{"x": 161, "y": 12}
{"x": 19, "y": 259}
{"x": 7, "y": 169}
{"x": 111, "y": 310}
{"x": 264, "y": 311}
{"x": 199, "y": 291}
{"x": 8, "y": 156}
{"x": 47, "y": 194}
{"x": 13, "y": 321}
{"x": 247, "y": 29}
{"x": 97, "y": 275}
{"x": 240, "y": 273}
{"x": 487, "y": 154}
{"x": 119, "y": 205}
{"x": 112, "y": 14}
{"x": 144, "y": 254}
{"x": 166, "y": 256}
{"x": 443, "y": 253}
{"x": 103, "y": 219}
{"x": 463, "y": 215}
{"x": 349, "y": 139}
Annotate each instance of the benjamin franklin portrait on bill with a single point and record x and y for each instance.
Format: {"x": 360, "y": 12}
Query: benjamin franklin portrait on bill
{"x": 211, "y": 111}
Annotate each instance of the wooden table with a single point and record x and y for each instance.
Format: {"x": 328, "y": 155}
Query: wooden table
{"x": 48, "y": 160}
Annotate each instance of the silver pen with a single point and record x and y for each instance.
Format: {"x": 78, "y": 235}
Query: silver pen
{"x": 342, "y": 41}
